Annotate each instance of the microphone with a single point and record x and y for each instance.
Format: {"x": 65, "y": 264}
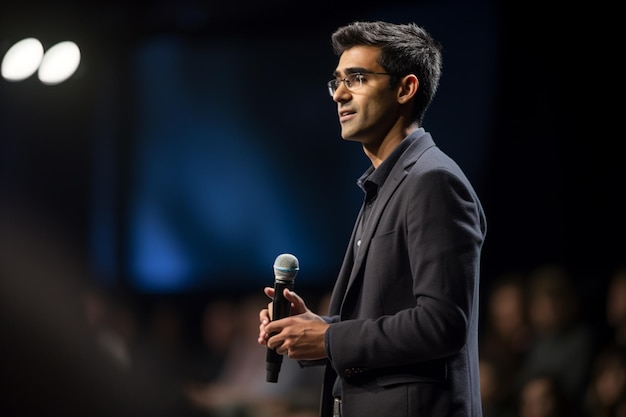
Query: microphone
{"x": 285, "y": 269}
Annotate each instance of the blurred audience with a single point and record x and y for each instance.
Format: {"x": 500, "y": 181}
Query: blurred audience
{"x": 51, "y": 360}
{"x": 239, "y": 388}
{"x": 74, "y": 349}
{"x": 495, "y": 389}
{"x": 563, "y": 342}
{"x": 217, "y": 329}
{"x": 542, "y": 396}
{"x": 113, "y": 324}
{"x": 616, "y": 307}
{"x": 504, "y": 340}
{"x": 606, "y": 394}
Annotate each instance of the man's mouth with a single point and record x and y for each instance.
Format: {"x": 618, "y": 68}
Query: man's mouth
{"x": 346, "y": 115}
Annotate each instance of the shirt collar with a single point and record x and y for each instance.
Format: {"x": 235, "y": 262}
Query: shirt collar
{"x": 374, "y": 178}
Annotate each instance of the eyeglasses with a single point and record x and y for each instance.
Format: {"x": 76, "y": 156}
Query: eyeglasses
{"x": 352, "y": 81}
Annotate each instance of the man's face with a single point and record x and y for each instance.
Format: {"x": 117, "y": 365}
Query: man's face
{"x": 369, "y": 109}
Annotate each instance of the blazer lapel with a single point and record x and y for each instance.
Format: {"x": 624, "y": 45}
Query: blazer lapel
{"x": 397, "y": 174}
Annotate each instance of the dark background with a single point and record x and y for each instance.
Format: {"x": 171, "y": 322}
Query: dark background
{"x": 197, "y": 140}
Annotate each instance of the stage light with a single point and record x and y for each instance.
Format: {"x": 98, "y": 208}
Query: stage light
{"x": 22, "y": 59}
{"x": 59, "y": 63}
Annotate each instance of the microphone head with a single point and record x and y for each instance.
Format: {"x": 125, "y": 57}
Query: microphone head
{"x": 286, "y": 267}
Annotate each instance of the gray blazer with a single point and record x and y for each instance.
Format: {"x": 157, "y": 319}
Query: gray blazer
{"x": 404, "y": 338}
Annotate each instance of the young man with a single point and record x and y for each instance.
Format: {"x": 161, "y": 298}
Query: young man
{"x": 401, "y": 337}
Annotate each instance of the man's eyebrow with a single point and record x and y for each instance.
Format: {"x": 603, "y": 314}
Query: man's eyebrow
{"x": 353, "y": 70}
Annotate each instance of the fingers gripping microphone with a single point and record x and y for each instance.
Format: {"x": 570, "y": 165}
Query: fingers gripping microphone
{"x": 285, "y": 269}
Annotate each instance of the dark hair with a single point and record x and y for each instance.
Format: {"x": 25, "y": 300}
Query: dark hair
{"x": 405, "y": 49}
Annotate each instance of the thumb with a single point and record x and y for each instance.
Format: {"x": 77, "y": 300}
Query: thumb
{"x": 297, "y": 303}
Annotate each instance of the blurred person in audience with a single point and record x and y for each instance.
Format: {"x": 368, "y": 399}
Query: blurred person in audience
{"x": 606, "y": 393}
{"x": 164, "y": 342}
{"x": 216, "y": 332}
{"x": 113, "y": 323}
{"x": 616, "y": 307}
{"x": 162, "y": 347}
{"x": 542, "y": 396}
{"x": 494, "y": 388}
{"x": 506, "y": 333}
{"x": 563, "y": 341}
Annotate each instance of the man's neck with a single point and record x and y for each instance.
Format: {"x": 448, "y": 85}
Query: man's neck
{"x": 379, "y": 153}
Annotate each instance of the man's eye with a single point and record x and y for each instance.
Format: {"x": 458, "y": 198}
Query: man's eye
{"x": 355, "y": 79}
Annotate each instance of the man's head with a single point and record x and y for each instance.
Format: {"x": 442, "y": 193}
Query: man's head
{"x": 404, "y": 49}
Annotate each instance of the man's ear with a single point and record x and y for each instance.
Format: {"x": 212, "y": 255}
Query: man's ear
{"x": 408, "y": 88}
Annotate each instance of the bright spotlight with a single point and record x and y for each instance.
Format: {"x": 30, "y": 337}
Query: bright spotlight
{"x": 59, "y": 63}
{"x": 22, "y": 59}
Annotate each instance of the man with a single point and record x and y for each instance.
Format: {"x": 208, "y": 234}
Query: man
{"x": 401, "y": 336}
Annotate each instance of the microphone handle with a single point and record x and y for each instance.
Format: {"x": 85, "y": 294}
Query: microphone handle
{"x": 280, "y": 309}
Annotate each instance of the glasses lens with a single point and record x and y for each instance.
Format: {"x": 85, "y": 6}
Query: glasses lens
{"x": 353, "y": 81}
{"x": 332, "y": 87}
{"x": 350, "y": 80}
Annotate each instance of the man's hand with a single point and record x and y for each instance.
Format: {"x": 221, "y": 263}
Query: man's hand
{"x": 300, "y": 336}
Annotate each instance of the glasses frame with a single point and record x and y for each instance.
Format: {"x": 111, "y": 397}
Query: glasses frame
{"x": 334, "y": 84}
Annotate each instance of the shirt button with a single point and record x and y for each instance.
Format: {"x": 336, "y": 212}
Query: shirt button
{"x": 358, "y": 242}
